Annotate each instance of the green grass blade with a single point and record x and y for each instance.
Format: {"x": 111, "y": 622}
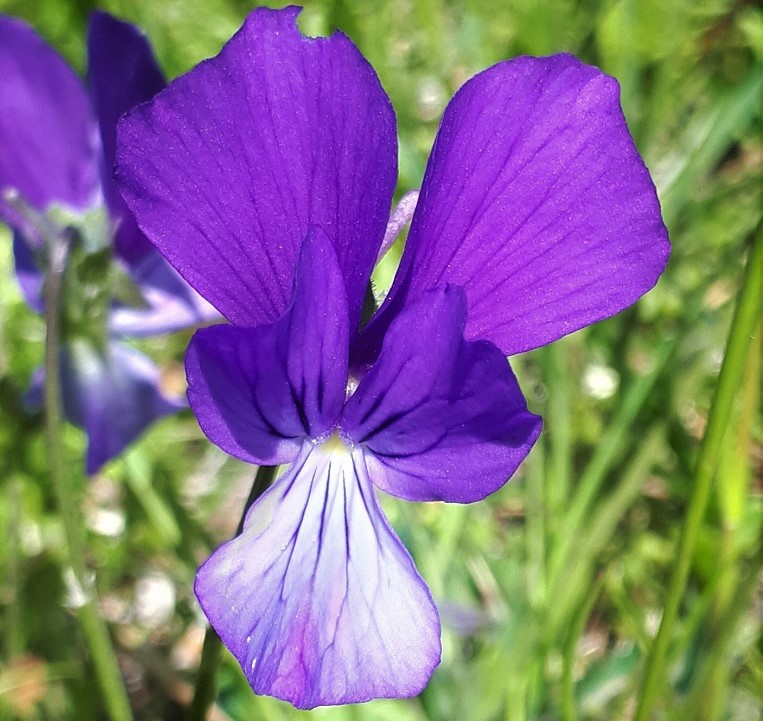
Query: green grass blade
{"x": 742, "y": 327}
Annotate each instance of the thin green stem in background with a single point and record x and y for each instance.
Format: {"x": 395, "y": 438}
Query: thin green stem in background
{"x": 14, "y": 641}
{"x": 571, "y": 583}
{"x": 96, "y": 632}
{"x": 603, "y": 459}
{"x": 742, "y": 327}
{"x": 211, "y": 652}
{"x": 559, "y": 427}
{"x": 569, "y": 706}
{"x": 710, "y": 693}
{"x": 536, "y": 528}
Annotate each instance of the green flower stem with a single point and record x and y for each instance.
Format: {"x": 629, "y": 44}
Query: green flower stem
{"x": 206, "y": 681}
{"x": 211, "y": 652}
{"x": 96, "y": 632}
{"x": 740, "y": 336}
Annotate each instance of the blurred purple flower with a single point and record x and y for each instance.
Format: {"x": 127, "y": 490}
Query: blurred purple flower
{"x": 57, "y": 145}
{"x": 265, "y": 176}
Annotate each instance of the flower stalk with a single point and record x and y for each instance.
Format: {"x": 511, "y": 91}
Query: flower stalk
{"x": 740, "y": 336}
{"x": 94, "y": 628}
{"x": 211, "y": 652}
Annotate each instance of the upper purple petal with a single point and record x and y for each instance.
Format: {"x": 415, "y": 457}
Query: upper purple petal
{"x": 48, "y": 142}
{"x": 258, "y": 393}
{"x": 536, "y": 202}
{"x": 228, "y": 168}
{"x": 442, "y": 418}
{"x": 318, "y": 600}
{"x": 113, "y": 395}
{"x": 122, "y": 72}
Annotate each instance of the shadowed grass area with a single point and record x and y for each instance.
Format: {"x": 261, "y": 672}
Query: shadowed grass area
{"x": 552, "y": 590}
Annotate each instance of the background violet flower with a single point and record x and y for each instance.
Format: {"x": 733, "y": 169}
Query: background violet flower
{"x": 265, "y": 176}
{"x": 57, "y": 145}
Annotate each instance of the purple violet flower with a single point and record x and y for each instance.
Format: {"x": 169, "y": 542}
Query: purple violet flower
{"x": 57, "y": 146}
{"x": 265, "y": 176}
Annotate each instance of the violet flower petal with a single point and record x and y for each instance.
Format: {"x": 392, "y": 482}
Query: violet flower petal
{"x": 113, "y": 396}
{"x": 28, "y": 274}
{"x": 318, "y": 600}
{"x": 48, "y": 142}
{"x": 443, "y": 418}
{"x": 228, "y": 167}
{"x": 122, "y": 72}
{"x": 259, "y": 392}
{"x": 173, "y": 304}
{"x": 535, "y": 201}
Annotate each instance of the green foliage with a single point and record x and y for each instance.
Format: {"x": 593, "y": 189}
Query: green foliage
{"x": 552, "y": 590}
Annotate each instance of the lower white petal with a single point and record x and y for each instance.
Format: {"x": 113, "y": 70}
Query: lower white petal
{"x": 318, "y": 599}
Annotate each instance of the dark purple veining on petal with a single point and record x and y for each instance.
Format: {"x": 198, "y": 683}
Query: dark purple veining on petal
{"x": 318, "y": 600}
{"x": 242, "y": 155}
{"x": 536, "y": 217}
{"x": 535, "y": 201}
{"x": 258, "y": 392}
{"x": 443, "y": 418}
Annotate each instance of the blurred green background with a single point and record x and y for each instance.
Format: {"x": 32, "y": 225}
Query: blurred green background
{"x": 551, "y": 590}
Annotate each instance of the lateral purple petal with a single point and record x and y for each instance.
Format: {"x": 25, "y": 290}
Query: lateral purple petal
{"x": 258, "y": 393}
{"x": 122, "y": 72}
{"x": 113, "y": 396}
{"x": 443, "y": 418}
{"x": 536, "y": 202}
{"x": 228, "y": 168}
{"x": 47, "y": 134}
{"x": 318, "y": 600}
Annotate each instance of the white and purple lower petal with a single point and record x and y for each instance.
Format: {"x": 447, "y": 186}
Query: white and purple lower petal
{"x": 318, "y": 600}
{"x": 443, "y": 417}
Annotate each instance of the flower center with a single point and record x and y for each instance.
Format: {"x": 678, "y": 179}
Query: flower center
{"x": 334, "y": 445}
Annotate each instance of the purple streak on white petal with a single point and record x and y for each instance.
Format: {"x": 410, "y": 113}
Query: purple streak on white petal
{"x": 48, "y": 144}
{"x": 318, "y": 600}
{"x": 398, "y": 220}
{"x": 228, "y": 168}
{"x": 258, "y": 393}
{"x": 535, "y": 201}
{"x": 122, "y": 72}
{"x": 442, "y": 418}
